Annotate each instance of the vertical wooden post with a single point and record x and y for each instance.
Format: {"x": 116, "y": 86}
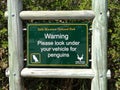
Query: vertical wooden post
{"x": 15, "y": 40}
{"x": 99, "y": 45}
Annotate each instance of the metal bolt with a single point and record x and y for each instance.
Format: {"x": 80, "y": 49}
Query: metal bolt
{"x": 101, "y": 13}
{"x": 14, "y": 74}
{"x": 13, "y": 15}
{"x": 101, "y": 76}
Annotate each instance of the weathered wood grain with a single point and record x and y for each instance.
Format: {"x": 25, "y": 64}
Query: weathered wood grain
{"x": 99, "y": 45}
{"x": 55, "y": 15}
{"x": 15, "y": 44}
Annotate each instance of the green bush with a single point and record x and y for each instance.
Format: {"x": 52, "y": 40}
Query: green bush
{"x": 114, "y": 41}
{"x": 3, "y": 47}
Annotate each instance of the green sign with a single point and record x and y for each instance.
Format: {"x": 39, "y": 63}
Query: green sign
{"x": 57, "y": 45}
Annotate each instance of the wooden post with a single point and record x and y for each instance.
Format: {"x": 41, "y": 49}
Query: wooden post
{"x": 99, "y": 45}
{"x": 15, "y": 40}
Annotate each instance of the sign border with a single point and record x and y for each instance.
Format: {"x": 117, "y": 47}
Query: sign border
{"x": 30, "y": 64}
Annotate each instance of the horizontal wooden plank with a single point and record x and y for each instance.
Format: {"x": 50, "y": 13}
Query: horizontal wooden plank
{"x": 46, "y": 15}
{"x": 50, "y": 15}
{"x": 58, "y": 73}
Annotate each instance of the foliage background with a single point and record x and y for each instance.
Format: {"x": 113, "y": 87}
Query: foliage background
{"x": 64, "y": 84}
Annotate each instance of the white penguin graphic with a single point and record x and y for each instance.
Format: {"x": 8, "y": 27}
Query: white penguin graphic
{"x": 35, "y": 58}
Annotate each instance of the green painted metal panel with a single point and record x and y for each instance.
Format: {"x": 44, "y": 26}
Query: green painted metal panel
{"x": 57, "y": 45}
